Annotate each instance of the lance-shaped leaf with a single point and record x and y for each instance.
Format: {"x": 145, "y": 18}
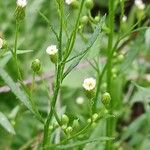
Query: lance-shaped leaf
{"x": 6, "y": 124}
{"x": 80, "y": 56}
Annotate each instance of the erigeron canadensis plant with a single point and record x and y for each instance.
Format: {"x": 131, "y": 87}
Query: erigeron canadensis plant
{"x": 99, "y": 97}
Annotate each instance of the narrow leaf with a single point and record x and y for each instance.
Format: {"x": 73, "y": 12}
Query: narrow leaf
{"x": 80, "y": 56}
{"x": 6, "y": 124}
{"x": 78, "y": 143}
{"x": 15, "y": 89}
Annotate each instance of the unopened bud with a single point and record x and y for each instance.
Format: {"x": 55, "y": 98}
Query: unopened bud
{"x": 106, "y": 98}
{"x": 84, "y": 20}
{"x": 76, "y": 124}
{"x": 36, "y": 65}
{"x": 89, "y": 4}
{"x": 95, "y": 117}
{"x": 64, "y": 119}
{"x": 69, "y": 130}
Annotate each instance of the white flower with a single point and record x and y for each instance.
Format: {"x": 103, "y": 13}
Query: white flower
{"x": 80, "y": 100}
{"x": 69, "y": 1}
{"x": 124, "y": 18}
{"x": 1, "y": 43}
{"x": 22, "y": 3}
{"x": 52, "y": 50}
{"x": 139, "y": 4}
{"x": 89, "y": 84}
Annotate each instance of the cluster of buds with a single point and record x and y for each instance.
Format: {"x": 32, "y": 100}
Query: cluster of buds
{"x": 64, "y": 122}
{"x": 52, "y": 51}
{"x": 20, "y": 10}
{"x": 89, "y": 85}
{"x": 93, "y": 120}
{"x": 72, "y": 3}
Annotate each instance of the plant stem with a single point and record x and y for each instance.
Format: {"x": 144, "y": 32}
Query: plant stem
{"x": 110, "y": 121}
{"x": 15, "y": 50}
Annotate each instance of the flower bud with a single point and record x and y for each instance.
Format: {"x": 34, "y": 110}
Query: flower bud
{"x": 80, "y": 100}
{"x": 106, "y": 98}
{"x": 93, "y": 124}
{"x": 89, "y": 85}
{"x": 95, "y": 117}
{"x": 76, "y": 124}
{"x": 84, "y": 20}
{"x": 51, "y": 127}
{"x": 97, "y": 19}
{"x": 64, "y": 119}
{"x": 3, "y": 43}
{"x": 120, "y": 58}
{"x": 89, "y": 120}
{"x": 52, "y": 51}
{"x": 20, "y": 10}
{"x": 64, "y": 127}
{"x": 36, "y": 65}
{"x": 69, "y": 130}
{"x": 89, "y": 4}
{"x": 75, "y": 4}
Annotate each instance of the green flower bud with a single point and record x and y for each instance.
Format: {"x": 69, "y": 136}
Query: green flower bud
{"x": 64, "y": 119}
{"x": 84, "y": 20}
{"x": 51, "y": 127}
{"x": 69, "y": 130}
{"x": 120, "y": 58}
{"x": 75, "y": 4}
{"x": 64, "y": 127}
{"x": 36, "y": 65}
{"x": 89, "y": 120}
{"x": 95, "y": 117}
{"x": 106, "y": 98}
{"x": 93, "y": 124}
{"x": 76, "y": 124}
{"x": 97, "y": 19}
{"x": 89, "y": 4}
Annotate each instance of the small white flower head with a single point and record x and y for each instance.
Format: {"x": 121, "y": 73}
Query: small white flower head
{"x": 89, "y": 84}
{"x": 68, "y": 2}
{"x": 80, "y": 100}
{"x": 139, "y": 4}
{"x": 124, "y": 18}
{"x": 52, "y": 50}
{"x": 22, "y": 3}
{"x": 1, "y": 43}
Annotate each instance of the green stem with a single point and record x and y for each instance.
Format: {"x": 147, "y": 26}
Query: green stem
{"x": 110, "y": 121}
{"x": 15, "y": 50}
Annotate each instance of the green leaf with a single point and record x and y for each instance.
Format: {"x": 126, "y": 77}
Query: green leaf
{"x": 134, "y": 127}
{"x": 15, "y": 89}
{"x": 4, "y": 60}
{"x": 80, "y": 56}
{"x": 19, "y": 52}
{"x": 78, "y": 143}
{"x": 132, "y": 54}
{"x": 6, "y": 124}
